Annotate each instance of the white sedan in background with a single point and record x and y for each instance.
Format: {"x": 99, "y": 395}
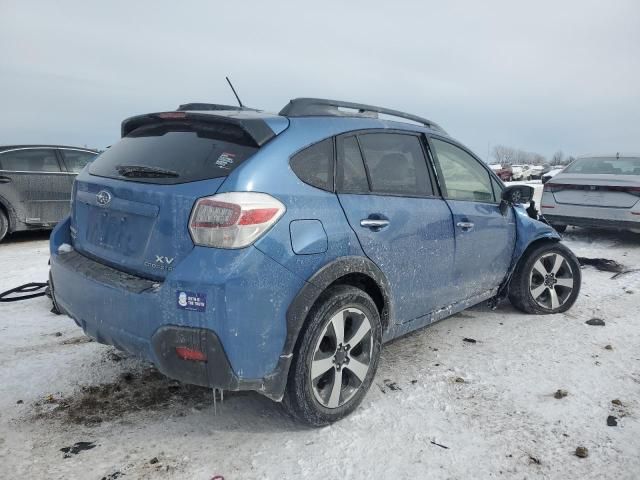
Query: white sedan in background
{"x": 600, "y": 192}
{"x": 521, "y": 172}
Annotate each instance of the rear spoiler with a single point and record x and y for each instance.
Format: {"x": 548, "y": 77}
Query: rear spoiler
{"x": 250, "y": 130}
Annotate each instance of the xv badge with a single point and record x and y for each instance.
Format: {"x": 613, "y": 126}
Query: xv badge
{"x": 164, "y": 260}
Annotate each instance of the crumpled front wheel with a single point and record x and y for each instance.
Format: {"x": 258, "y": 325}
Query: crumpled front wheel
{"x": 547, "y": 280}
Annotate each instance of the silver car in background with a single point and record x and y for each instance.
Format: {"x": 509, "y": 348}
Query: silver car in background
{"x": 35, "y": 184}
{"x": 599, "y": 191}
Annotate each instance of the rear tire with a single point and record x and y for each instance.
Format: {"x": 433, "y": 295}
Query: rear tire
{"x": 546, "y": 280}
{"x": 4, "y": 225}
{"x": 340, "y": 342}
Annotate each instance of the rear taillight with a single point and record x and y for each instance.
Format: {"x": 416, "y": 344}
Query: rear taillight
{"x": 553, "y": 187}
{"x": 556, "y": 187}
{"x": 234, "y": 219}
{"x": 172, "y": 115}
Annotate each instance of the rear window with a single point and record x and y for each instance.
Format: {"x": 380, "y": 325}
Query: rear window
{"x": 351, "y": 176}
{"x": 314, "y": 165}
{"x": 76, "y": 160}
{"x": 605, "y": 165}
{"x": 30, "y": 160}
{"x": 175, "y": 152}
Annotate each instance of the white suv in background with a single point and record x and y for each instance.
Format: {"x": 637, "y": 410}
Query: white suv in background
{"x": 521, "y": 172}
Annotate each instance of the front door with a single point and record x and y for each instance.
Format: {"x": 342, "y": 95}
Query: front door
{"x": 401, "y": 225}
{"x": 485, "y": 238}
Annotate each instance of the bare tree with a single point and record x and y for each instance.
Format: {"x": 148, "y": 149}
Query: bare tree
{"x": 557, "y": 158}
{"x": 537, "y": 159}
{"x": 503, "y": 155}
{"x": 509, "y": 155}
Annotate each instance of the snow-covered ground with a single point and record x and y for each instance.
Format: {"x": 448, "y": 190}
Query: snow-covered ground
{"x": 441, "y": 407}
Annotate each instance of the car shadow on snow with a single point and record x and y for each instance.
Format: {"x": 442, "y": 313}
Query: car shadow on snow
{"x": 28, "y": 236}
{"x": 593, "y": 235}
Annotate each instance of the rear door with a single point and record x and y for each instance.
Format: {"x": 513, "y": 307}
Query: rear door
{"x": 402, "y": 225}
{"x": 485, "y": 239}
{"x": 38, "y": 186}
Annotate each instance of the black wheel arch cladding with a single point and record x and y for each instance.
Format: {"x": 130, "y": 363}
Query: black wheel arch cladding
{"x": 350, "y": 270}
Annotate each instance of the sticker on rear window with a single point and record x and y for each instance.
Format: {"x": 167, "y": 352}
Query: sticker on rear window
{"x": 225, "y": 159}
{"x": 192, "y": 301}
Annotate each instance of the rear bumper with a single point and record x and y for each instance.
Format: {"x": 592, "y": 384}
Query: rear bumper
{"x": 242, "y": 326}
{"x": 590, "y": 216}
{"x": 593, "y": 222}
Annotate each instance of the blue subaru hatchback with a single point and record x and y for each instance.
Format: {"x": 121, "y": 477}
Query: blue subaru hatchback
{"x": 242, "y": 250}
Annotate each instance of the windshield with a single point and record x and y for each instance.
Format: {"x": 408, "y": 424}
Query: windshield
{"x": 605, "y": 165}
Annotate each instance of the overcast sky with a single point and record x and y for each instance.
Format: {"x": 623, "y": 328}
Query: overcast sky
{"x": 541, "y": 76}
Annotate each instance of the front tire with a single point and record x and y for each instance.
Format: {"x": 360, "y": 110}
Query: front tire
{"x": 336, "y": 357}
{"x": 547, "y": 280}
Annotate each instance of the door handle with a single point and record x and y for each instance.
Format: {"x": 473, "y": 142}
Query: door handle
{"x": 465, "y": 226}
{"x": 5, "y": 180}
{"x": 374, "y": 223}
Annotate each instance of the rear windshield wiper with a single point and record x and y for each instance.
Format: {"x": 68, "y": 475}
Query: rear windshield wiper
{"x": 132, "y": 171}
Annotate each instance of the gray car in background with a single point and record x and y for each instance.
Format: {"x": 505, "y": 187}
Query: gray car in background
{"x": 35, "y": 184}
{"x": 599, "y": 191}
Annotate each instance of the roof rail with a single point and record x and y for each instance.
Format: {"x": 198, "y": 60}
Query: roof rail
{"x": 303, "y": 107}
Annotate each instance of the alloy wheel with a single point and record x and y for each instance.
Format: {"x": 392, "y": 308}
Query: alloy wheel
{"x": 551, "y": 281}
{"x": 341, "y": 358}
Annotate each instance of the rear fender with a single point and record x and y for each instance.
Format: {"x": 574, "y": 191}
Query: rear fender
{"x": 304, "y": 301}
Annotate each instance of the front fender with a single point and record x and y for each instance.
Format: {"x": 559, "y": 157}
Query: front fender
{"x": 528, "y": 231}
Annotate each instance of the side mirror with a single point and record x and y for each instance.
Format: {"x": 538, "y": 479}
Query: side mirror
{"x": 517, "y": 194}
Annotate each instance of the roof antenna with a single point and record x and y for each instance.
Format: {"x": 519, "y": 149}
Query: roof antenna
{"x": 234, "y": 92}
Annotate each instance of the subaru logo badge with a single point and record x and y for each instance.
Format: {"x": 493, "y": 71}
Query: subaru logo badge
{"x": 103, "y": 198}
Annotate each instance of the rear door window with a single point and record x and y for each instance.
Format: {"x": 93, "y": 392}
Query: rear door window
{"x": 314, "y": 165}
{"x": 174, "y": 152}
{"x": 464, "y": 178}
{"x": 351, "y": 177}
{"x": 396, "y": 164}
{"x": 76, "y": 160}
{"x": 30, "y": 160}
